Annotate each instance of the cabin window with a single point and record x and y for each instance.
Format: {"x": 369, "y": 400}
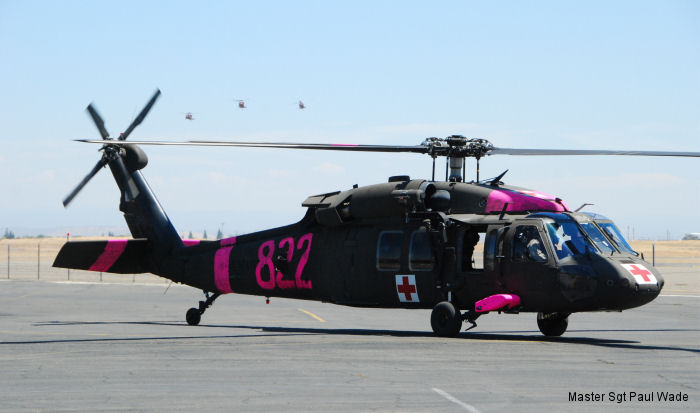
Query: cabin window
{"x": 389, "y": 250}
{"x": 469, "y": 261}
{"x": 421, "y": 254}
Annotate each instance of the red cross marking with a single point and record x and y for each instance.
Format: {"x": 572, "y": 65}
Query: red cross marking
{"x": 641, "y": 272}
{"x": 407, "y": 289}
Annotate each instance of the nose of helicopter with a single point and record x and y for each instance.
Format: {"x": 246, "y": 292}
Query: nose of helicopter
{"x": 637, "y": 285}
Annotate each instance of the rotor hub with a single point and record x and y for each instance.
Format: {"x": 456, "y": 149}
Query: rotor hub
{"x": 458, "y": 146}
{"x": 455, "y": 148}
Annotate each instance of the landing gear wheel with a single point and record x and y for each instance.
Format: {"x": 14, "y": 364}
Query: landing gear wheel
{"x": 552, "y": 324}
{"x": 446, "y": 320}
{"x": 193, "y": 316}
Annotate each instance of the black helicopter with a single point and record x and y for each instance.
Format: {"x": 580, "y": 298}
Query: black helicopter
{"x": 405, "y": 243}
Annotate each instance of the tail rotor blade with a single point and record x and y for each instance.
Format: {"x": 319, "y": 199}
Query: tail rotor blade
{"x": 141, "y": 116}
{"x": 101, "y": 163}
{"x": 98, "y": 121}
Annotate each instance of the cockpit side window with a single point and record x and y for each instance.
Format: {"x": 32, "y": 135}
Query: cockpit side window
{"x": 528, "y": 245}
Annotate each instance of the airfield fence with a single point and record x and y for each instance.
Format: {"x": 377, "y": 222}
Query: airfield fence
{"x": 32, "y": 259}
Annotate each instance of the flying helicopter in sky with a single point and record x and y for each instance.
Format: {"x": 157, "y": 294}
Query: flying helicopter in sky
{"x": 241, "y": 103}
{"x": 404, "y": 243}
{"x": 301, "y": 105}
{"x": 189, "y": 116}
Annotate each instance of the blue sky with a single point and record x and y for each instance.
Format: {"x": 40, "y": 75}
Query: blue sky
{"x": 588, "y": 75}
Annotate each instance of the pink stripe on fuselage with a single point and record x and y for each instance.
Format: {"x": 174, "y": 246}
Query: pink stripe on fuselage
{"x": 343, "y": 144}
{"x": 221, "y": 266}
{"x": 190, "y": 242}
{"x": 519, "y": 201}
{"x": 112, "y": 252}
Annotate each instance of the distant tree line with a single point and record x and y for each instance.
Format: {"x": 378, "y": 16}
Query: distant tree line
{"x": 8, "y": 234}
{"x": 219, "y": 234}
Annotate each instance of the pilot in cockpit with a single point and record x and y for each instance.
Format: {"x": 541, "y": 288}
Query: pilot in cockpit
{"x": 528, "y": 246}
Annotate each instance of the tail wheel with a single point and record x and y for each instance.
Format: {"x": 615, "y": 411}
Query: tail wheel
{"x": 193, "y": 316}
{"x": 446, "y": 320}
{"x": 552, "y": 324}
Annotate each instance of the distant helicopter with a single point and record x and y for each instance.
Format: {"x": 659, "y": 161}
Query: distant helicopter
{"x": 241, "y": 103}
{"x": 189, "y": 116}
{"x": 301, "y": 105}
{"x": 405, "y": 243}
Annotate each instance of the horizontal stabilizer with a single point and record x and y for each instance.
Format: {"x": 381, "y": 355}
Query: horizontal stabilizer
{"x": 121, "y": 256}
{"x": 497, "y": 302}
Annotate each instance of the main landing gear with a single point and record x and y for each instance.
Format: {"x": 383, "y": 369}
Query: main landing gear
{"x": 552, "y": 324}
{"x": 194, "y": 315}
{"x": 446, "y": 320}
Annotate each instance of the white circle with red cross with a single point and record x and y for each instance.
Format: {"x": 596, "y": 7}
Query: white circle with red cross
{"x": 406, "y": 288}
{"x": 640, "y": 273}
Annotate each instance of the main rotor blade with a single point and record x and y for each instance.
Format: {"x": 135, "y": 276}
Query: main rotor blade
{"x": 316, "y": 146}
{"x": 141, "y": 116}
{"x": 516, "y": 151}
{"x": 441, "y": 150}
{"x": 98, "y": 121}
{"x": 101, "y": 163}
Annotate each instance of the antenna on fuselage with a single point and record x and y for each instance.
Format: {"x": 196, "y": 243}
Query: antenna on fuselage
{"x": 497, "y": 180}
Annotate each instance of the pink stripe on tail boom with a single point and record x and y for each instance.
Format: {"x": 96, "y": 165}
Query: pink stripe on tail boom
{"x": 112, "y": 252}
{"x": 227, "y": 241}
{"x": 221, "y": 266}
{"x": 497, "y": 302}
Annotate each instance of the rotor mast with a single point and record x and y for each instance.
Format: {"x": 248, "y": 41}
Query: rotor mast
{"x": 456, "y": 148}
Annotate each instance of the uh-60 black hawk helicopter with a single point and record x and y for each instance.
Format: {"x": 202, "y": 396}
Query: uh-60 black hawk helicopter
{"x": 405, "y": 243}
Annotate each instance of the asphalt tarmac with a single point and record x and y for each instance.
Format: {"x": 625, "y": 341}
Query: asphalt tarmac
{"x": 126, "y": 347}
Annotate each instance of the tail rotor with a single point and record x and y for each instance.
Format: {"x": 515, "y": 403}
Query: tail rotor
{"x": 112, "y": 152}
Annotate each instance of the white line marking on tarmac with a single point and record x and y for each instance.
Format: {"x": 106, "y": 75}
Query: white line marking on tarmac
{"x": 448, "y": 396}
{"x": 679, "y": 295}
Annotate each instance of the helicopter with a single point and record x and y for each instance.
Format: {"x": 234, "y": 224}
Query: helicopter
{"x": 189, "y": 116}
{"x": 405, "y": 243}
{"x": 241, "y": 103}
{"x": 301, "y": 105}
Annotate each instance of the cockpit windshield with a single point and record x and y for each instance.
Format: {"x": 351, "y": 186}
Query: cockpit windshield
{"x": 571, "y": 237}
{"x": 614, "y": 233}
{"x": 567, "y": 238}
{"x": 598, "y": 238}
